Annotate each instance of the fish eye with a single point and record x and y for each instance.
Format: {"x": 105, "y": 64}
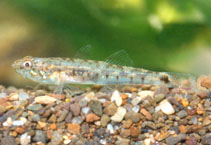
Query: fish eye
{"x": 27, "y": 64}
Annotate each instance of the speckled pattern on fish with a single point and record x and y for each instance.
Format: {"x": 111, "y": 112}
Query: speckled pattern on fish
{"x": 78, "y": 71}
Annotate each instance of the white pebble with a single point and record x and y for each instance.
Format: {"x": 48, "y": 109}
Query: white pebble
{"x": 3, "y": 95}
{"x": 8, "y": 122}
{"x": 116, "y": 97}
{"x": 166, "y": 107}
{"x": 14, "y": 97}
{"x": 23, "y": 96}
{"x": 44, "y": 100}
{"x": 102, "y": 100}
{"x": 85, "y": 110}
{"x": 136, "y": 108}
{"x": 103, "y": 141}
{"x": 136, "y": 101}
{"x": 119, "y": 115}
{"x": 110, "y": 128}
{"x": 25, "y": 139}
{"x": 18, "y": 123}
{"x": 144, "y": 94}
{"x": 147, "y": 141}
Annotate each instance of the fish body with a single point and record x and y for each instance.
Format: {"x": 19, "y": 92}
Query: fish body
{"x": 78, "y": 71}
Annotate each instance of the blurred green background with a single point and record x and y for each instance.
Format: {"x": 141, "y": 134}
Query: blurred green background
{"x": 165, "y": 35}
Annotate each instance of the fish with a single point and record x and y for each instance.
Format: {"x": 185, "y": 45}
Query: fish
{"x": 62, "y": 71}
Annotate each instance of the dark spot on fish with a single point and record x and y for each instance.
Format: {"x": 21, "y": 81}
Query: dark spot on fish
{"x": 165, "y": 79}
{"x": 131, "y": 78}
{"x": 142, "y": 79}
{"x": 73, "y": 72}
{"x": 117, "y": 77}
{"x": 107, "y": 76}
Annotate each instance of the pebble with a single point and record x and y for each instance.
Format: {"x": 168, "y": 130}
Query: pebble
{"x": 172, "y": 140}
{"x": 23, "y": 96}
{"x": 116, "y": 97}
{"x": 75, "y": 108}
{"x": 134, "y": 131}
{"x": 159, "y": 97}
{"x": 36, "y": 117}
{"x": 182, "y": 114}
{"x": 136, "y": 101}
{"x": 25, "y": 139}
{"x": 56, "y": 138}
{"x": 77, "y": 120}
{"x": 146, "y": 114}
{"x": 136, "y": 108}
{"x": 135, "y": 117}
{"x": 73, "y": 128}
{"x": 166, "y": 107}
{"x": 85, "y": 110}
{"x": 8, "y": 140}
{"x": 191, "y": 141}
{"x": 96, "y": 107}
{"x": 205, "y": 140}
{"x": 52, "y": 119}
{"x": 68, "y": 119}
{"x": 3, "y": 95}
{"x": 92, "y": 117}
{"x": 104, "y": 120}
{"x": 2, "y": 109}
{"x": 127, "y": 123}
{"x": 119, "y": 115}
{"x": 63, "y": 115}
{"x": 44, "y": 100}
{"x": 110, "y": 110}
{"x": 144, "y": 94}
{"x": 83, "y": 102}
{"x": 18, "y": 123}
{"x": 125, "y": 133}
{"x": 40, "y": 136}
{"x": 110, "y": 128}
{"x": 14, "y": 97}
{"x": 34, "y": 107}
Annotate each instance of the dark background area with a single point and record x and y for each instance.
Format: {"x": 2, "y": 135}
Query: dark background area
{"x": 157, "y": 35}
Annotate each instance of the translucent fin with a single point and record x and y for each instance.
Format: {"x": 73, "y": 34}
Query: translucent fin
{"x": 183, "y": 79}
{"x": 120, "y": 58}
{"x": 85, "y": 52}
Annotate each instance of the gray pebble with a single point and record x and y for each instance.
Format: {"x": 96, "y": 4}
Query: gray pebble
{"x": 34, "y": 107}
{"x": 75, "y": 108}
{"x": 36, "y": 117}
{"x": 62, "y": 116}
{"x": 96, "y": 107}
{"x": 56, "y": 138}
{"x": 68, "y": 119}
{"x": 172, "y": 140}
{"x": 135, "y": 117}
{"x": 40, "y": 136}
{"x": 8, "y": 140}
{"x": 77, "y": 120}
{"x": 206, "y": 139}
{"x": 182, "y": 114}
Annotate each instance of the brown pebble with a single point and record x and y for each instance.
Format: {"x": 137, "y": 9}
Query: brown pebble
{"x": 135, "y": 131}
{"x": 206, "y": 82}
{"x": 20, "y": 130}
{"x": 73, "y": 128}
{"x": 191, "y": 141}
{"x": 183, "y": 128}
{"x": 125, "y": 133}
{"x": 75, "y": 108}
{"x": 92, "y": 117}
{"x": 146, "y": 113}
{"x": 127, "y": 123}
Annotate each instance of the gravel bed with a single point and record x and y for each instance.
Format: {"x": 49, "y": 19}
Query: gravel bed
{"x": 127, "y": 115}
